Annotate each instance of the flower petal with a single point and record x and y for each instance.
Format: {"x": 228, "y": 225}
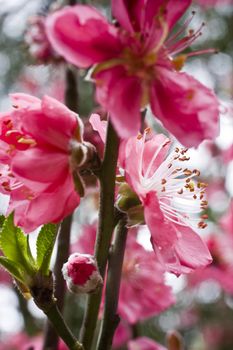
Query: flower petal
{"x": 188, "y": 109}
{"x": 121, "y": 96}
{"x": 178, "y": 248}
{"x": 128, "y": 13}
{"x": 172, "y": 11}
{"x": 99, "y": 125}
{"x": 21, "y": 100}
{"x": 52, "y": 123}
{"x": 82, "y": 35}
{"x": 144, "y": 343}
{"x": 44, "y": 208}
{"x": 38, "y": 167}
{"x": 191, "y": 249}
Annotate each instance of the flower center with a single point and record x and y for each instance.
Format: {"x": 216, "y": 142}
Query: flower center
{"x": 15, "y": 138}
{"x": 181, "y": 198}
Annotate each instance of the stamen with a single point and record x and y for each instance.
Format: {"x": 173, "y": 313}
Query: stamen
{"x": 180, "y": 198}
{"x": 183, "y": 28}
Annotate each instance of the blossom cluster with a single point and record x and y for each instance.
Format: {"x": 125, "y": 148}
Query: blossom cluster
{"x": 135, "y": 63}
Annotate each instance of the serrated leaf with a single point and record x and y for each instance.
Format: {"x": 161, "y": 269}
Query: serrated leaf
{"x": 44, "y": 246}
{"x": 16, "y": 271}
{"x": 13, "y": 244}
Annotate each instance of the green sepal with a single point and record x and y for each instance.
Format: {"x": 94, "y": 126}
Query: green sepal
{"x": 135, "y": 216}
{"x": 44, "y": 247}
{"x": 78, "y": 184}
{"x": 127, "y": 198}
{"x": 23, "y": 289}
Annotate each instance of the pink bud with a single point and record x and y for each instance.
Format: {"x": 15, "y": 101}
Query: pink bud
{"x": 81, "y": 273}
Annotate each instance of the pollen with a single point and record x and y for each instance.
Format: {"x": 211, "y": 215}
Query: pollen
{"x": 26, "y": 141}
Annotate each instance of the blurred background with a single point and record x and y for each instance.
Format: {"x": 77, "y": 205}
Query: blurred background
{"x": 203, "y": 313}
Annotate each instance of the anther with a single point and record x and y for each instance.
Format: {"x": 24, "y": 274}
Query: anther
{"x": 204, "y": 216}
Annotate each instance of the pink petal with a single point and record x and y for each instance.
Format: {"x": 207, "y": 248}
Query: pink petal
{"x": 144, "y": 343}
{"x": 38, "y": 167}
{"x": 137, "y": 153}
{"x": 52, "y": 123}
{"x": 99, "y": 125}
{"x": 21, "y": 100}
{"x": 82, "y": 35}
{"x": 162, "y": 232}
{"x": 44, "y": 208}
{"x": 121, "y": 96}
{"x": 177, "y": 247}
{"x": 191, "y": 249}
{"x": 151, "y": 147}
{"x": 188, "y": 109}
{"x": 128, "y": 13}
{"x": 172, "y": 10}
{"x": 122, "y": 334}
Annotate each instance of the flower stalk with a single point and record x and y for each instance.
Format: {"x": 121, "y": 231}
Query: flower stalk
{"x": 107, "y": 176}
{"x": 110, "y": 317}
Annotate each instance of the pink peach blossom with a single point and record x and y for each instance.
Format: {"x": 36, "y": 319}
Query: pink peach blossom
{"x": 227, "y": 154}
{"x": 38, "y": 136}
{"x": 144, "y": 343}
{"x": 122, "y": 334}
{"x": 143, "y": 292}
{"x": 170, "y": 198}
{"x": 221, "y": 270}
{"x": 226, "y": 221}
{"x": 37, "y": 41}
{"x": 214, "y": 3}
{"x": 21, "y": 341}
{"x": 137, "y": 63}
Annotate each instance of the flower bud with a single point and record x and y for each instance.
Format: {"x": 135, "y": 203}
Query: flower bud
{"x": 81, "y": 273}
{"x": 127, "y": 198}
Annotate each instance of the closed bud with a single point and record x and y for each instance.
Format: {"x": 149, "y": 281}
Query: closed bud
{"x": 81, "y": 273}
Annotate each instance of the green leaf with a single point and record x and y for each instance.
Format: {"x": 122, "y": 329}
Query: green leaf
{"x": 15, "y": 270}
{"x": 29, "y": 253}
{"x": 2, "y": 219}
{"x": 44, "y": 246}
{"x": 14, "y": 245}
